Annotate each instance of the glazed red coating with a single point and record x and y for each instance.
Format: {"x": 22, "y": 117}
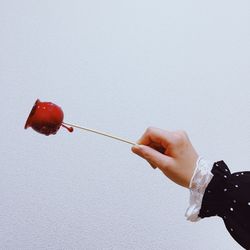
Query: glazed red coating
{"x": 45, "y": 118}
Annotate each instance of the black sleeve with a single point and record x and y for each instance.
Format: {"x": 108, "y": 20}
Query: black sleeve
{"x": 228, "y": 196}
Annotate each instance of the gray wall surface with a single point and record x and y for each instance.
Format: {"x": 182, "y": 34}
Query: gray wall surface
{"x": 117, "y": 66}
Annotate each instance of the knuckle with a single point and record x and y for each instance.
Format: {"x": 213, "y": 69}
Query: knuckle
{"x": 150, "y": 129}
{"x": 180, "y": 137}
{"x": 146, "y": 154}
{"x": 182, "y": 132}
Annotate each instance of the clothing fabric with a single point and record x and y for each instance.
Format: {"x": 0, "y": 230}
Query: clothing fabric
{"x": 228, "y": 196}
{"x": 201, "y": 177}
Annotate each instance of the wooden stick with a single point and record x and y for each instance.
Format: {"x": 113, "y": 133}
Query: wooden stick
{"x": 100, "y": 133}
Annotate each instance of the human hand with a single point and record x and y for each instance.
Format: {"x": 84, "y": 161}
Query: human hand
{"x": 171, "y": 152}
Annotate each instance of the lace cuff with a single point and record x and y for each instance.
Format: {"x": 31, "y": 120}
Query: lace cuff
{"x": 201, "y": 177}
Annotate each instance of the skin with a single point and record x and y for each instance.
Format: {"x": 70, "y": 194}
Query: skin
{"x": 171, "y": 152}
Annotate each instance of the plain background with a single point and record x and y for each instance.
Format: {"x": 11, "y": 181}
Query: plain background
{"x": 117, "y": 66}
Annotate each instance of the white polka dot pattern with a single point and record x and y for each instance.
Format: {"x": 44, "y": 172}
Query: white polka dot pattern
{"x": 228, "y": 196}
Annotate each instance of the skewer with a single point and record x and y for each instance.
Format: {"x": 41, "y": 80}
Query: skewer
{"x": 100, "y": 133}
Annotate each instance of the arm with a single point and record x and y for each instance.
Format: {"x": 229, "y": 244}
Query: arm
{"x": 214, "y": 192}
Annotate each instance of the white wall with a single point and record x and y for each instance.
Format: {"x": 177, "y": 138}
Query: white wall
{"x": 118, "y": 66}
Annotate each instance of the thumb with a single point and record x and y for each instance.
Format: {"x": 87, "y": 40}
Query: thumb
{"x": 155, "y": 158}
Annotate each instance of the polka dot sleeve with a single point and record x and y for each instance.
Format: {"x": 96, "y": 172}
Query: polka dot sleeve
{"x": 228, "y": 196}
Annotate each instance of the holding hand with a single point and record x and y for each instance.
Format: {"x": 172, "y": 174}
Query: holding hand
{"x": 171, "y": 152}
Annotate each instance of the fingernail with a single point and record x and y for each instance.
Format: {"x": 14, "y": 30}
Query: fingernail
{"x": 137, "y": 147}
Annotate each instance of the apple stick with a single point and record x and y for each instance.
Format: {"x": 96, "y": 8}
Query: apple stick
{"x": 100, "y": 133}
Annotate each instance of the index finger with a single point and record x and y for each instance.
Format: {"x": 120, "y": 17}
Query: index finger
{"x": 156, "y": 135}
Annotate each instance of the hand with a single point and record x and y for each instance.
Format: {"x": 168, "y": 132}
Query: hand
{"x": 171, "y": 152}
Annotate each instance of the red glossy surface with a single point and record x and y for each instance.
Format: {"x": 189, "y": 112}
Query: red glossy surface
{"x": 46, "y": 118}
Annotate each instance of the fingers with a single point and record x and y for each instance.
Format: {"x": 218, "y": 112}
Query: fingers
{"x": 155, "y": 158}
{"x": 171, "y": 152}
{"x": 156, "y": 135}
{"x": 157, "y": 147}
{"x": 152, "y": 146}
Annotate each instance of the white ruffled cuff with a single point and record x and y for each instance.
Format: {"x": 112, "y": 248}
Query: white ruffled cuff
{"x": 201, "y": 177}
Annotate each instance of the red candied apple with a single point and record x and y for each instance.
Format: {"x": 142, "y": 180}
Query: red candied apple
{"x": 46, "y": 118}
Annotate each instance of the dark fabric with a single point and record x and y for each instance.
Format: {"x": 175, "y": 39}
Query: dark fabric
{"x": 228, "y": 196}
